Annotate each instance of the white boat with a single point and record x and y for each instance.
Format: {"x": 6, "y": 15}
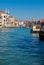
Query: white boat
{"x": 35, "y": 28}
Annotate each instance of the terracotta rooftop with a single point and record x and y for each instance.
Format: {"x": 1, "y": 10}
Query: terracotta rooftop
{"x": 16, "y": 20}
{"x": 2, "y": 12}
{"x": 10, "y": 16}
{"x": 42, "y": 20}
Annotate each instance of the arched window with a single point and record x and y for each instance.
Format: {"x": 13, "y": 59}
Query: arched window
{"x": 0, "y": 17}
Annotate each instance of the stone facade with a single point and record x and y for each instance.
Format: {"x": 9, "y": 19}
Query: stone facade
{"x": 7, "y": 20}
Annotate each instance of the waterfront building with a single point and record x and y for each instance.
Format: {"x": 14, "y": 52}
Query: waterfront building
{"x": 42, "y": 20}
{"x": 28, "y": 23}
{"x": 11, "y": 21}
{"x": 3, "y": 19}
{"x": 16, "y": 23}
{"x": 21, "y": 23}
{"x": 7, "y": 20}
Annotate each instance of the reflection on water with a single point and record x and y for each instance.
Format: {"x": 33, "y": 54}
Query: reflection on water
{"x": 41, "y": 52}
{"x": 20, "y": 47}
{"x": 35, "y": 34}
{"x": 5, "y": 29}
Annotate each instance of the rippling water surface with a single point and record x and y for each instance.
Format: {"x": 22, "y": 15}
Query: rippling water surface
{"x": 19, "y": 47}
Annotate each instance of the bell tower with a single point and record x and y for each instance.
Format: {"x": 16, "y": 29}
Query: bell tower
{"x": 7, "y": 11}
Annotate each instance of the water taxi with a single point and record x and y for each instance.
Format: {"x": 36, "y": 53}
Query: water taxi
{"x": 35, "y": 28}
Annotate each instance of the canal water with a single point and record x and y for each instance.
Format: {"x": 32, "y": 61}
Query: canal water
{"x": 20, "y": 47}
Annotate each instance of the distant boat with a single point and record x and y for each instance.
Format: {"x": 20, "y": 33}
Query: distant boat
{"x": 35, "y": 28}
{"x": 41, "y": 32}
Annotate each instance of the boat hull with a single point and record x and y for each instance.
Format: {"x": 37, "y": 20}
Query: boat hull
{"x": 41, "y": 35}
{"x": 31, "y": 31}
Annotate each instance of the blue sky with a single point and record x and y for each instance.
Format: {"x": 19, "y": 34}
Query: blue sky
{"x": 24, "y": 9}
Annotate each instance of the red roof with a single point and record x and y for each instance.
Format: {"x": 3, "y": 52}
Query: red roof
{"x": 42, "y": 20}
